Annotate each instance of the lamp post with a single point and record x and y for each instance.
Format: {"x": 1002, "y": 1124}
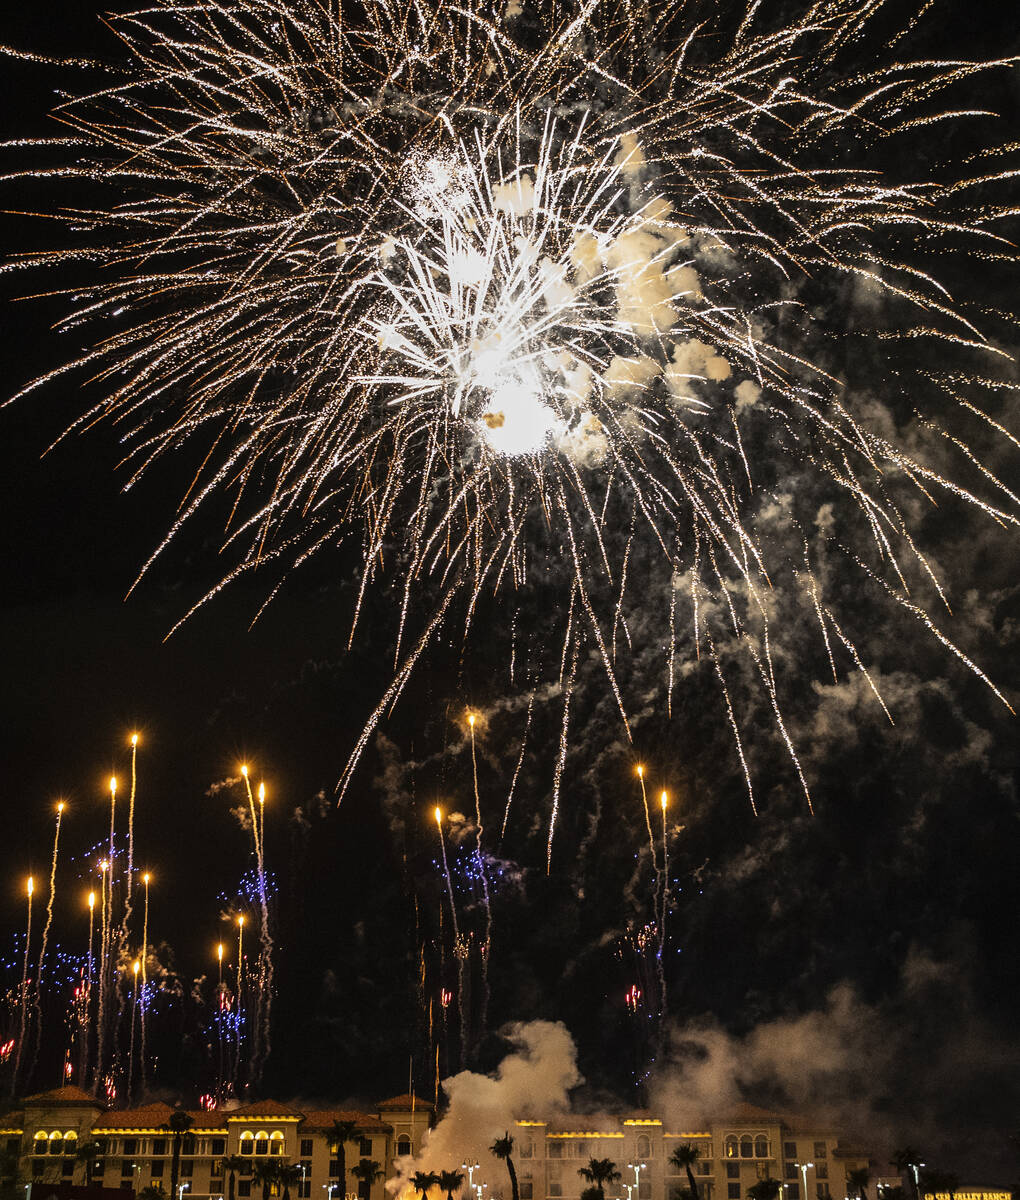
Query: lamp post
{"x": 329, "y": 1188}
{"x": 916, "y": 1169}
{"x": 470, "y": 1168}
{"x": 181, "y": 1189}
{"x": 637, "y": 1168}
{"x": 803, "y": 1168}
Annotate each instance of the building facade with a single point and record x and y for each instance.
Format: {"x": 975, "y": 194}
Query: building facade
{"x": 133, "y": 1149}
{"x": 43, "y": 1144}
{"x": 811, "y": 1162}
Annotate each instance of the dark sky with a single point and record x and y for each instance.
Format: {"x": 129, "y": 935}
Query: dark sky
{"x": 904, "y": 888}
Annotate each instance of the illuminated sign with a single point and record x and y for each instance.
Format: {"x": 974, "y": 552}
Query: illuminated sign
{"x": 973, "y": 1194}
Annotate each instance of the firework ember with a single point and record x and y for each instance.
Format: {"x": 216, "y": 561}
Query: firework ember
{"x": 499, "y": 288}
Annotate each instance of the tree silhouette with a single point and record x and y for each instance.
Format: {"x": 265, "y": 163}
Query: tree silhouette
{"x": 503, "y": 1148}
{"x": 598, "y": 1173}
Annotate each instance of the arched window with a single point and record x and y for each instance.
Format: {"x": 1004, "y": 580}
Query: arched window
{"x": 761, "y": 1146}
{"x": 56, "y": 1143}
{"x": 39, "y": 1143}
{"x": 746, "y": 1146}
{"x": 276, "y": 1142}
{"x": 403, "y": 1145}
{"x": 70, "y": 1141}
{"x": 644, "y": 1146}
{"x": 731, "y": 1146}
{"x": 261, "y": 1142}
{"x": 247, "y": 1142}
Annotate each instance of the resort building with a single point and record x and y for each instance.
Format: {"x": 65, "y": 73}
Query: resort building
{"x": 221, "y": 1152}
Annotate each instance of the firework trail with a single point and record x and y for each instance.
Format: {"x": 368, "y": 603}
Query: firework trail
{"x": 661, "y": 914}
{"x": 460, "y": 944}
{"x": 45, "y": 940}
{"x": 238, "y": 1016}
{"x": 144, "y": 959}
{"x": 23, "y": 999}
{"x": 486, "y": 947}
{"x": 260, "y": 1022}
{"x": 85, "y": 1000}
{"x": 499, "y": 289}
{"x": 517, "y": 768}
{"x": 129, "y": 873}
{"x": 108, "y": 979}
{"x": 221, "y": 1003}
{"x": 104, "y": 923}
{"x": 135, "y": 968}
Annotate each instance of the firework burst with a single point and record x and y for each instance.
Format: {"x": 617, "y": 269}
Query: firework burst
{"x": 494, "y": 286}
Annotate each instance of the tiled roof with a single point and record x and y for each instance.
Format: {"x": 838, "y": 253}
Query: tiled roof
{"x": 263, "y": 1108}
{"x": 148, "y": 1116}
{"x": 325, "y": 1119}
{"x": 405, "y": 1102}
{"x": 155, "y": 1116}
{"x": 69, "y": 1096}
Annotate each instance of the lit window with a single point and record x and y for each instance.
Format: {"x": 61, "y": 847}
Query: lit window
{"x": 731, "y": 1146}
{"x": 247, "y": 1142}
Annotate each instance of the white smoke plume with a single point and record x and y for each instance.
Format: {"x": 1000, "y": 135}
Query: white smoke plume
{"x": 532, "y": 1081}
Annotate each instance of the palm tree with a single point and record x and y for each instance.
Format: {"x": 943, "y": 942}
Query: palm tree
{"x": 907, "y": 1160}
{"x": 88, "y": 1152}
{"x": 367, "y": 1171}
{"x": 503, "y": 1148}
{"x": 858, "y": 1180}
{"x": 765, "y": 1189}
{"x": 450, "y": 1182}
{"x": 421, "y": 1181}
{"x": 598, "y": 1173}
{"x": 683, "y": 1158}
{"x": 288, "y": 1175}
{"x": 178, "y": 1125}
{"x": 267, "y": 1173}
{"x": 232, "y": 1166}
{"x": 341, "y": 1133}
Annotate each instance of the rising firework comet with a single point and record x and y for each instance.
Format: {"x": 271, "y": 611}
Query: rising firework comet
{"x": 501, "y": 287}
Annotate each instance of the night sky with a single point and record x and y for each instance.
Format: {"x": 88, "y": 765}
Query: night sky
{"x": 882, "y": 931}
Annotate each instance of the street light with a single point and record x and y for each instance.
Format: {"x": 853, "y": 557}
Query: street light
{"x": 181, "y": 1189}
{"x": 328, "y": 1188}
{"x": 470, "y": 1168}
{"x": 803, "y": 1168}
{"x": 637, "y": 1168}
